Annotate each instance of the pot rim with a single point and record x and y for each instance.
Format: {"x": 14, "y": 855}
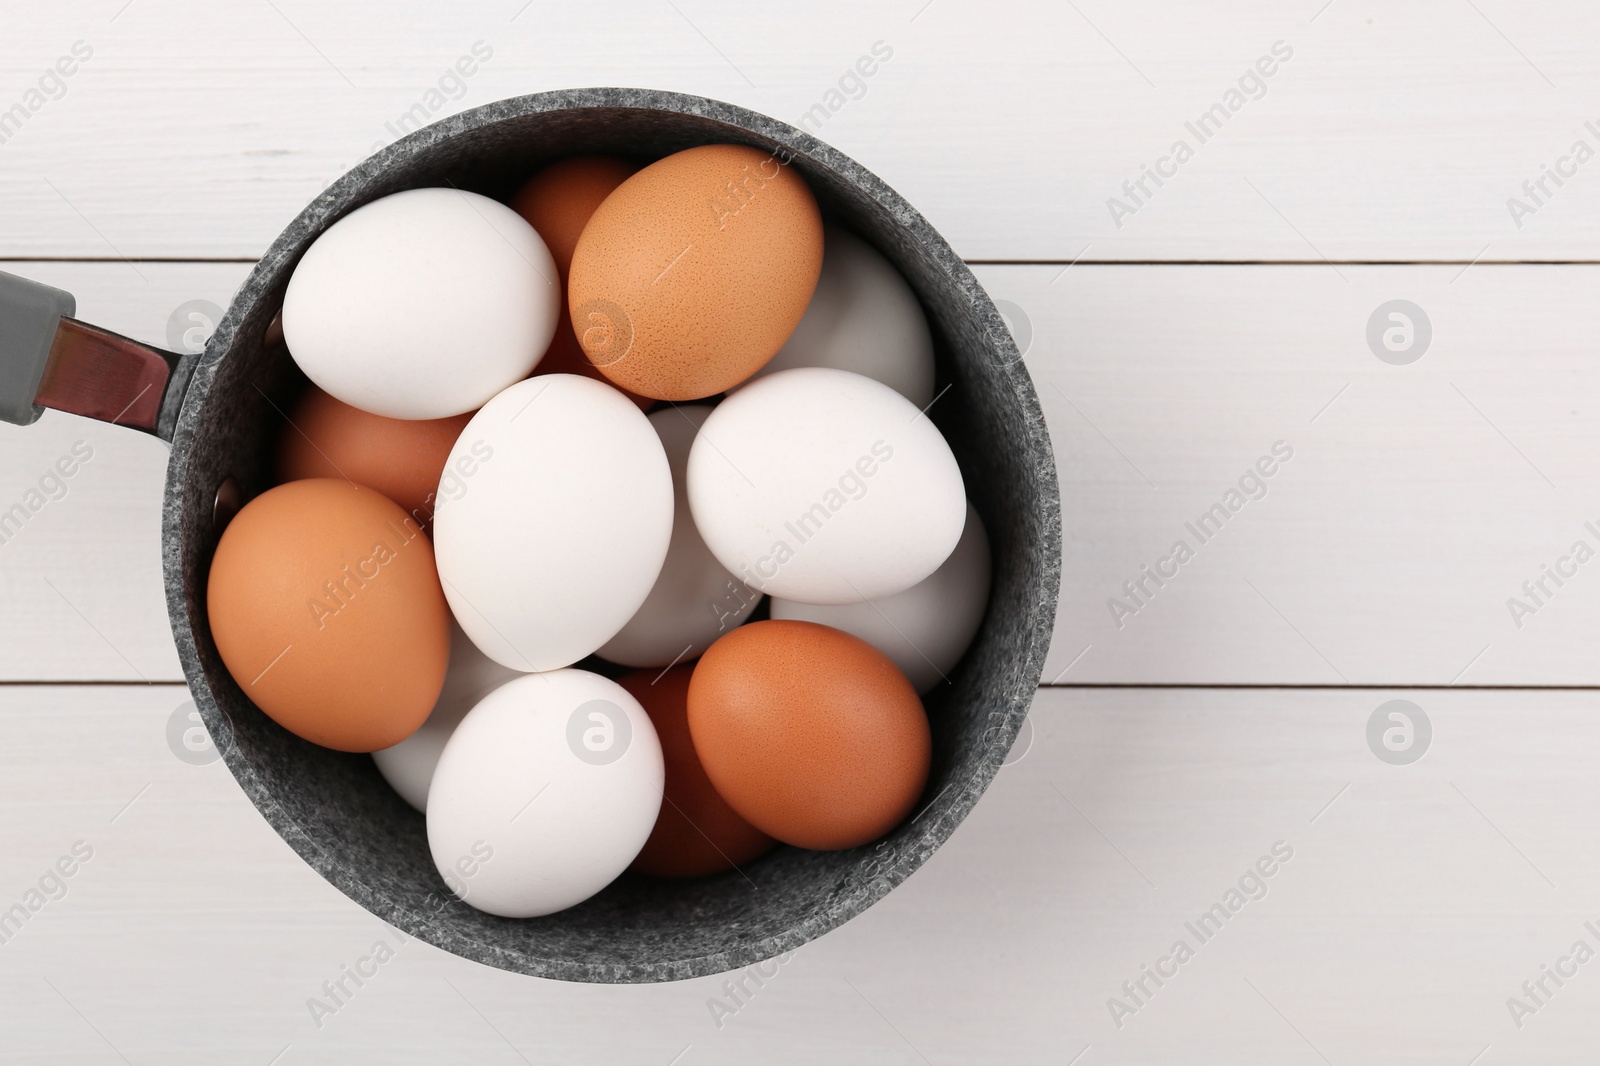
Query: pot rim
{"x": 937, "y": 820}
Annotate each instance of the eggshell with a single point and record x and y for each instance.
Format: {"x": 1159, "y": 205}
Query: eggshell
{"x": 422, "y": 304}
{"x": 925, "y": 629}
{"x": 823, "y": 486}
{"x": 557, "y": 202}
{"x": 552, "y": 521}
{"x": 811, "y": 735}
{"x": 695, "y": 600}
{"x": 696, "y": 833}
{"x": 325, "y": 605}
{"x": 401, "y": 458}
{"x": 544, "y": 794}
{"x": 695, "y": 271}
{"x": 863, "y": 318}
{"x": 471, "y": 675}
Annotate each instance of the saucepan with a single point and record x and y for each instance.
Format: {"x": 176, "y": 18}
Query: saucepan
{"x": 220, "y": 410}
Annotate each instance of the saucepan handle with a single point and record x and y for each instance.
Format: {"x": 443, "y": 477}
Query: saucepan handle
{"x": 50, "y": 359}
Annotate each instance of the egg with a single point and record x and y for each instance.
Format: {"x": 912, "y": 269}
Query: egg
{"x": 552, "y": 520}
{"x": 422, "y": 304}
{"x": 325, "y": 606}
{"x": 695, "y": 600}
{"x": 557, "y": 203}
{"x": 696, "y": 833}
{"x": 925, "y": 629}
{"x": 471, "y": 675}
{"x": 812, "y": 735}
{"x": 863, "y": 318}
{"x": 695, "y": 271}
{"x": 559, "y": 200}
{"x": 401, "y": 458}
{"x": 824, "y": 486}
{"x": 545, "y": 792}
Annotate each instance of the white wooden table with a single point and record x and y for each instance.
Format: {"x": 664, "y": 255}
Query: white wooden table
{"x": 1175, "y": 336}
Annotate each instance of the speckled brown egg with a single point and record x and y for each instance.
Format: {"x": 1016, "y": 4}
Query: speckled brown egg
{"x": 401, "y": 458}
{"x": 557, "y": 202}
{"x": 326, "y": 608}
{"x": 696, "y": 833}
{"x": 812, "y": 735}
{"x": 695, "y": 271}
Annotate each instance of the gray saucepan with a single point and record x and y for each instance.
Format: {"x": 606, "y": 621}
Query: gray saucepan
{"x": 221, "y": 412}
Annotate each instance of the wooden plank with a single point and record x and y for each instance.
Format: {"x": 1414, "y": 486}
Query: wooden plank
{"x": 81, "y": 579}
{"x": 1392, "y": 133}
{"x": 1419, "y": 499}
{"x": 195, "y": 935}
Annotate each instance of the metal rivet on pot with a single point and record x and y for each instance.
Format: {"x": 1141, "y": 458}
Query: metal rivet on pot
{"x": 229, "y": 499}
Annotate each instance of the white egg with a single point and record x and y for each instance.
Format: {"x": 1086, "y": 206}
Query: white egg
{"x": 927, "y": 628}
{"x": 471, "y": 675}
{"x": 695, "y": 600}
{"x": 422, "y": 304}
{"x": 864, "y": 318}
{"x": 552, "y": 520}
{"x": 545, "y": 793}
{"x": 824, "y": 486}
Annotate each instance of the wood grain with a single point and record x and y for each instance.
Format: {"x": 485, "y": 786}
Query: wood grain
{"x": 1387, "y": 550}
{"x": 1417, "y": 900}
{"x": 1419, "y": 499}
{"x": 1392, "y": 133}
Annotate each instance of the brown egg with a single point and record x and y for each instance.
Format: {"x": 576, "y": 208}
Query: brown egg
{"x": 812, "y": 735}
{"x": 696, "y": 833}
{"x": 557, "y": 202}
{"x": 327, "y": 610}
{"x": 400, "y": 458}
{"x": 695, "y": 271}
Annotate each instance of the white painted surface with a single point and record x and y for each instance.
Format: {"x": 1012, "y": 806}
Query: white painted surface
{"x": 1416, "y": 902}
{"x": 81, "y": 581}
{"x": 1416, "y": 504}
{"x": 1419, "y": 499}
{"x": 1394, "y": 131}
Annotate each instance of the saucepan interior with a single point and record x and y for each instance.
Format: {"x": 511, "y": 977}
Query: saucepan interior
{"x": 337, "y": 812}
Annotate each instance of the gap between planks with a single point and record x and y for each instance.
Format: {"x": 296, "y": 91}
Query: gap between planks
{"x": 251, "y": 260}
{"x": 1046, "y": 686}
{"x": 94, "y": 684}
{"x": 1042, "y": 687}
